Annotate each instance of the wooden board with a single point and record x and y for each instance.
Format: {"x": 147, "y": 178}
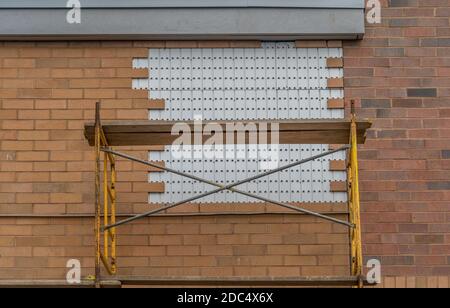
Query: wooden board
{"x": 323, "y": 281}
{"x": 119, "y": 282}
{"x": 147, "y": 133}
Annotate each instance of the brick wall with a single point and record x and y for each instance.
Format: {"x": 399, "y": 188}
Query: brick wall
{"x": 47, "y": 93}
{"x": 400, "y": 73}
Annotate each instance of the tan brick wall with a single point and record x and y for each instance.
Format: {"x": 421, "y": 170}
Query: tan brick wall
{"x": 47, "y": 93}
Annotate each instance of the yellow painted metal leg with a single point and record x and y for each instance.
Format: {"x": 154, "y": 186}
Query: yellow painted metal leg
{"x": 354, "y": 204}
{"x": 113, "y": 218}
{"x": 105, "y": 206}
{"x": 108, "y": 256}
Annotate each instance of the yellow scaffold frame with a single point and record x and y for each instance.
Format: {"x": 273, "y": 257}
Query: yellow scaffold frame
{"x": 108, "y": 213}
{"x": 354, "y": 202}
{"x": 105, "y": 208}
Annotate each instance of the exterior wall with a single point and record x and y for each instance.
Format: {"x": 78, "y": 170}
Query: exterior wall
{"x": 48, "y": 90}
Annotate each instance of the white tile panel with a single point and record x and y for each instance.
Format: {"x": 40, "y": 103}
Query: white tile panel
{"x": 307, "y": 183}
{"x": 277, "y": 81}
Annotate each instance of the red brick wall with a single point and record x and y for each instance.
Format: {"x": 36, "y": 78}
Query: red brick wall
{"x": 400, "y": 75}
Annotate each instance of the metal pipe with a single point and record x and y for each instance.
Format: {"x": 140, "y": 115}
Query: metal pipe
{"x": 105, "y": 205}
{"x": 97, "y": 222}
{"x": 199, "y": 214}
{"x": 226, "y": 187}
{"x": 113, "y": 217}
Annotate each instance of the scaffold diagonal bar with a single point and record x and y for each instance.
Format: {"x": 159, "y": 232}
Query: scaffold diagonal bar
{"x": 229, "y": 187}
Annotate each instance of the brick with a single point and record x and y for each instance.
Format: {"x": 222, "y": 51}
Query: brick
{"x": 49, "y": 251}
{"x": 99, "y": 93}
{"x": 32, "y": 156}
{"x": 15, "y": 252}
{"x": 139, "y": 73}
{"x": 338, "y": 186}
{"x": 67, "y": 93}
{"x": 316, "y": 250}
{"x": 422, "y": 92}
{"x": 66, "y": 73}
{"x": 250, "y": 228}
{"x": 49, "y": 104}
{"x": 18, "y": 83}
{"x": 266, "y": 239}
{"x": 15, "y": 230}
{"x": 336, "y": 104}
{"x": 116, "y": 62}
{"x": 213, "y": 44}
{"x": 338, "y": 165}
{"x": 198, "y": 261}
{"x": 300, "y": 260}
{"x": 16, "y": 63}
{"x": 31, "y": 198}
{"x": 429, "y": 239}
{"x": 17, "y": 145}
{"x": 156, "y": 104}
{"x": 284, "y": 271}
{"x": 216, "y": 229}
{"x": 53, "y": 230}
{"x": 282, "y": 250}
{"x": 8, "y": 72}
{"x": 334, "y": 83}
{"x": 34, "y": 93}
{"x": 438, "y": 185}
{"x": 184, "y": 250}
{"x": 33, "y": 177}
{"x": 245, "y": 44}
{"x": 181, "y": 44}
{"x": 216, "y": 250}
{"x": 99, "y": 72}
{"x": 311, "y": 44}
{"x": 334, "y": 44}
{"x": 335, "y": 62}
{"x": 250, "y": 250}
{"x": 33, "y": 135}
{"x": 233, "y": 239}
{"x": 35, "y": 52}
{"x": 65, "y": 198}
{"x": 182, "y": 228}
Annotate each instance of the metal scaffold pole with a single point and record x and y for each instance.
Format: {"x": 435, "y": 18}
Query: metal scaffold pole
{"x": 354, "y": 202}
{"x": 97, "y": 194}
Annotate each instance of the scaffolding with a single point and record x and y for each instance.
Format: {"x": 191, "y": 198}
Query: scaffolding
{"x": 103, "y": 136}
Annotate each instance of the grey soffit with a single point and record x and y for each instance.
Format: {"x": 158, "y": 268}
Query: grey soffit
{"x": 186, "y": 20}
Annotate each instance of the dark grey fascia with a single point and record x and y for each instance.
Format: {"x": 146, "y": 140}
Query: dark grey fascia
{"x": 201, "y": 19}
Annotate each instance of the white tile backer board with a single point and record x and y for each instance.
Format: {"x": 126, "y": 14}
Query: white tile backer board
{"x": 306, "y": 183}
{"x": 277, "y": 81}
